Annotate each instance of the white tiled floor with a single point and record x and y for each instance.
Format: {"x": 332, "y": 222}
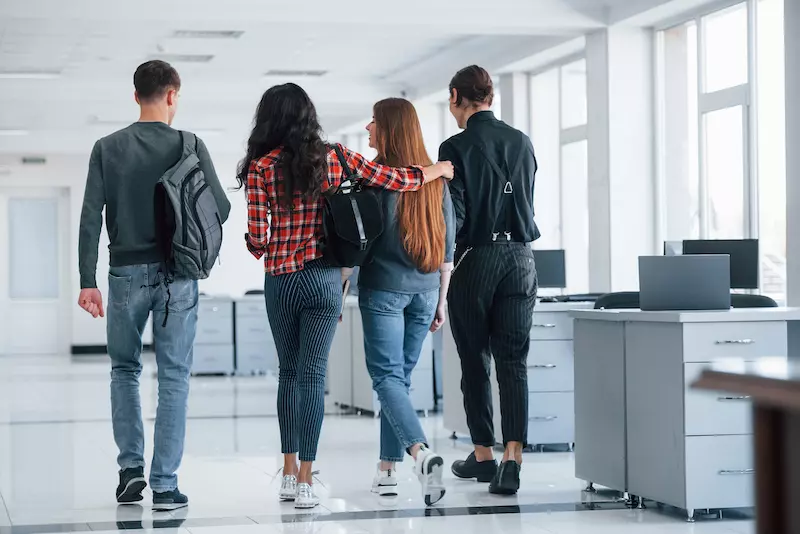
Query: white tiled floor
{"x": 57, "y": 466}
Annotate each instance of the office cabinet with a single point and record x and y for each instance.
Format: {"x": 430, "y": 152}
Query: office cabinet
{"x": 640, "y": 425}
{"x": 255, "y": 347}
{"x": 213, "y": 344}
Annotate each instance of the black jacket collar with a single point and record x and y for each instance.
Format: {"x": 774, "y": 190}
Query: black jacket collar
{"x": 481, "y": 116}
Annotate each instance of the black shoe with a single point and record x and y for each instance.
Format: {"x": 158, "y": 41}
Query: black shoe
{"x": 131, "y": 484}
{"x": 506, "y": 481}
{"x": 472, "y": 468}
{"x": 169, "y": 500}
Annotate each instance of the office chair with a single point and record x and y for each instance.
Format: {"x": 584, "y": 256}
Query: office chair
{"x": 255, "y": 292}
{"x": 739, "y": 300}
{"x": 579, "y": 297}
{"x": 617, "y": 301}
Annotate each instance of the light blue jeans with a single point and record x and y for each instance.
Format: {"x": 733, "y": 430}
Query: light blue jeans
{"x": 133, "y": 292}
{"x": 395, "y": 326}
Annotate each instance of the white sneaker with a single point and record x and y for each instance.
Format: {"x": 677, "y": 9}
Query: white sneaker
{"x": 306, "y": 498}
{"x": 385, "y": 483}
{"x": 288, "y": 488}
{"x": 428, "y": 469}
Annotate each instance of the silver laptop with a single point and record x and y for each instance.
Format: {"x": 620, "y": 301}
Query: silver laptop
{"x": 691, "y": 282}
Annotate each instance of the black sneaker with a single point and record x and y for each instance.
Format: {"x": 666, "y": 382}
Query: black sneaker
{"x": 472, "y": 468}
{"x": 506, "y": 481}
{"x": 131, "y": 484}
{"x": 169, "y": 500}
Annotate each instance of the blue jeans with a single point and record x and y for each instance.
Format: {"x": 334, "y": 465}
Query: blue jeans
{"x": 395, "y": 326}
{"x": 133, "y": 292}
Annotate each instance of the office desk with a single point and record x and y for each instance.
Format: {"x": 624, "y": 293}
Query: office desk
{"x": 640, "y": 427}
{"x": 774, "y": 389}
{"x": 550, "y": 378}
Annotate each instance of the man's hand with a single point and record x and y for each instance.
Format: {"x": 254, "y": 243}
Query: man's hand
{"x": 91, "y": 300}
{"x": 438, "y": 320}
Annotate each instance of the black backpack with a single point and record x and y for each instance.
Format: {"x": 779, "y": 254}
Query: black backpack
{"x": 188, "y": 225}
{"x": 352, "y": 219}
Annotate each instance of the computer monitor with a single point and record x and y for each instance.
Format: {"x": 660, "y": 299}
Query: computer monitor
{"x": 551, "y": 268}
{"x": 743, "y": 253}
{"x": 673, "y": 248}
{"x": 693, "y": 282}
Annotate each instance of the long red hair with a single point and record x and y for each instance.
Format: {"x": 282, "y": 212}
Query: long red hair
{"x": 399, "y": 144}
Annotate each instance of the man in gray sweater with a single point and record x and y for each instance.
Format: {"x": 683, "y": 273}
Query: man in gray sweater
{"x": 123, "y": 171}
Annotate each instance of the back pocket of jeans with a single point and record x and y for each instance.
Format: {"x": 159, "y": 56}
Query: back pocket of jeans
{"x": 182, "y": 296}
{"x": 119, "y": 290}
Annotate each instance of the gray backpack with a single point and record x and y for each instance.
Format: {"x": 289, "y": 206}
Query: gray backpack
{"x": 188, "y": 225}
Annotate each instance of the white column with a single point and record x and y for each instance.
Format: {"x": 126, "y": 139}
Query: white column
{"x": 621, "y": 155}
{"x": 514, "y": 92}
{"x": 792, "y": 43}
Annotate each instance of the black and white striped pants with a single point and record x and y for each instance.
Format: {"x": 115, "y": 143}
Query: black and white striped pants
{"x": 303, "y": 309}
{"x": 490, "y": 303}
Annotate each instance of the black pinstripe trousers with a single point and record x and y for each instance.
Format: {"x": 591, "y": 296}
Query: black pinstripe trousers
{"x": 303, "y": 309}
{"x": 491, "y": 299}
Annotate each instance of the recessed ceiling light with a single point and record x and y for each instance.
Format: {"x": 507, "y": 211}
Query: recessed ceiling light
{"x": 295, "y": 73}
{"x": 29, "y": 75}
{"x": 183, "y": 58}
{"x": 207, "y": 34}
{"x": 13, "y": 133}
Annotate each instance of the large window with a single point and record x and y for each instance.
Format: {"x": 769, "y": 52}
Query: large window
{"x": 722, "y": 153}
{"x": 559, "y": 134}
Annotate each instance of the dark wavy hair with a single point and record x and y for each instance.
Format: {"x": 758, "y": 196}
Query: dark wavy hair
{"x": 286, "y": 117}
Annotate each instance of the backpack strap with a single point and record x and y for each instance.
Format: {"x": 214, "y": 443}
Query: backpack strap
{"x": 189, "y": 139}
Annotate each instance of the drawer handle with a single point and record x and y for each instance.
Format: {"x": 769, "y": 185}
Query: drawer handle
{"x": 544, "y": 418}
{"x": 724, "y": 399}
{"x": 735, "y": 342}
{"x": 545, "y": 325}
{"x": 544, "y": 366}
{"x": 211, "y": 331}
{"x": 725, "y": 472}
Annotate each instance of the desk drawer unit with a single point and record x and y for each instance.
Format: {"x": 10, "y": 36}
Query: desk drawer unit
{"x": 253, "y": 330}
{"x": 255, "y": 347}
{"x": 708, "y": 413}
{"x": 551, "y": 366}
{"x": 719, "y": 472}
{"x": 707, "y": 342}
{"x": 255, "y": 358}
{"x": 218, "y": 308}
{"x": 551, "y": 325}
{"x": 212, "y": 329}
{"x": 213, "y": 359}
{"x": 551, "y": 418}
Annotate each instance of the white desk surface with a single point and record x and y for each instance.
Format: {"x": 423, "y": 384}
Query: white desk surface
{"x": 710, "y": 316}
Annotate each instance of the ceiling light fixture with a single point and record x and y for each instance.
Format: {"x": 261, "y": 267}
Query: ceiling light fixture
{"x": 295, "y": 73}
{"x": 29, "y": 75}
{"x": 13, "y": 133}
{"x": 183, "y": 58}
{"x": 207, "y": 34}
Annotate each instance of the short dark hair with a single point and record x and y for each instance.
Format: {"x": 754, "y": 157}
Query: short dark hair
{"x": 153, "y": 79}
{"x": 474, "y": 84}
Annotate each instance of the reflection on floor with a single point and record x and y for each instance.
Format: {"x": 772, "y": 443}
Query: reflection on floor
{"x": 58, "y": 470}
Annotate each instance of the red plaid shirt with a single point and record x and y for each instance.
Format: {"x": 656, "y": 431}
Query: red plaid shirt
{"x": 290, "y": 239}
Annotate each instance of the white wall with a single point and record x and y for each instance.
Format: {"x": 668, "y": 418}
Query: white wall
{"x": 792, "y": 39}
{"x": 237, "y": 273}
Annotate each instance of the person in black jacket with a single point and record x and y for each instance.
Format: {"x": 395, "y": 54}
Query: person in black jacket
{"x": 493, "y": 289}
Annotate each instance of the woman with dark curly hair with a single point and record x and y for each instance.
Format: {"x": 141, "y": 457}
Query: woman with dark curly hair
{"x": 286, "y": 170}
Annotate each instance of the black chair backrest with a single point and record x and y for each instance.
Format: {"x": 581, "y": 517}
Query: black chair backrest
{"x": 580, "y": 297}
{"x": 739, "y": 300}
{"x": 618, "y": 301}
